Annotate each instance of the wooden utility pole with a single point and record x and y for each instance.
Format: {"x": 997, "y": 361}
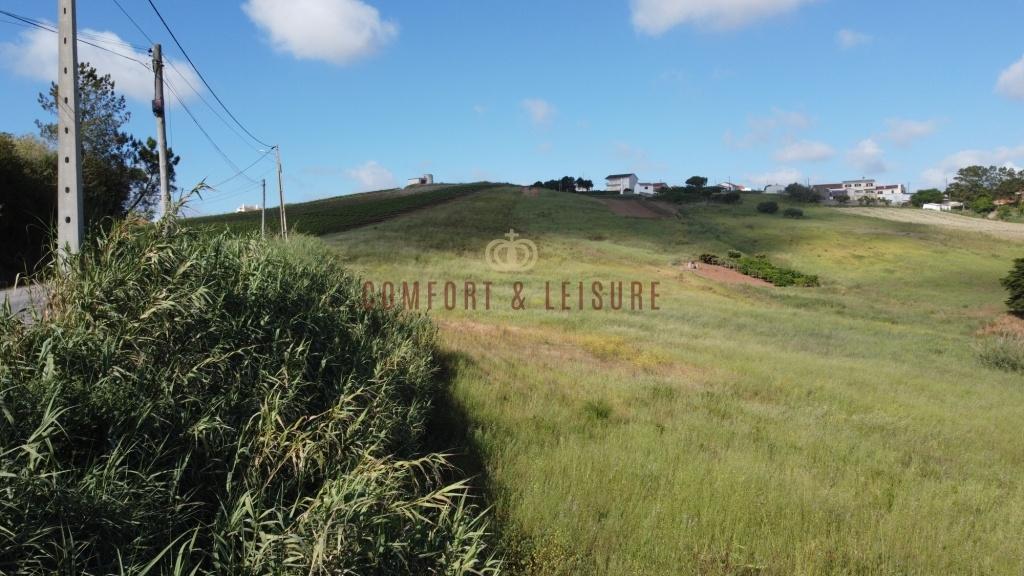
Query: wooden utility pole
{"x": 280, "y": 193}
{"x": 161, "y": 128}
{"x": 263, "y": 211}
{"x": 70, "y": 208}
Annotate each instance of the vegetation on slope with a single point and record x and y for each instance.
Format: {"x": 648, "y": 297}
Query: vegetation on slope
{"x": 196, "y": 403}
{"x": 848, "y": 429}
{"x": 342, "y": 213}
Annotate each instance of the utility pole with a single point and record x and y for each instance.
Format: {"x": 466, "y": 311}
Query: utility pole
{"x": 280, "y": 193}
{"x": 161, "y": 128}
{"x": 263, "y": 211}
{"x": 70, "y": 209}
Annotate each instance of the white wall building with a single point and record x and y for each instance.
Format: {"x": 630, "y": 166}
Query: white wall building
{"x": 774, "y": 189}
{"x": 947, "y": 207}
{"x": 650, "y": 188}
{"x": 894, "y": 194}
{"x": 420, "y": 181}
{"x": 247, "y": 208}
{"x": 622, "y": 183}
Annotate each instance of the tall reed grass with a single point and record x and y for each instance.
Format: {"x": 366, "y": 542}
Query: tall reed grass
{"x": 213, "y": 404}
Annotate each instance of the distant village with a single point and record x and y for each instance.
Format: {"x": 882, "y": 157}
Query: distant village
{"x": 864, "y": 191}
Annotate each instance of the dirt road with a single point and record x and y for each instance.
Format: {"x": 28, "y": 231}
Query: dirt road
{"x": 1006, "y": 230}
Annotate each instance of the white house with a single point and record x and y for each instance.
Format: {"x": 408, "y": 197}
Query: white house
{"x": 420, "y": 181}
{"x": 730, "y": 187}
{"x": 622, "y": 183}
{"x": 247, "y": 208}
{"x": 650, "y": 188}
{"x": 895, "y": 194}
{"x": 774, "y": 189}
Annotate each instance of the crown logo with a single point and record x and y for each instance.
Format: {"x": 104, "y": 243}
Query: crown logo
{"x": 513, "y": 254}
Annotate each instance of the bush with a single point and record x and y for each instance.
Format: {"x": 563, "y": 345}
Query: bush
{"x": 1014, "y": 284}
{"x": 760, "y": 267}
{"x": 769, "y": 207}
{"x": 800, "y": 193}
{"x": 1003, "y": 352}
{"x": 729, "y": 198}
{"x": 793, "y": 213}
{"x": 204, "y": 403}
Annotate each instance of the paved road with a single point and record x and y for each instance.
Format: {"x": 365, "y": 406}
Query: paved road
{"x": 24, "y": 299}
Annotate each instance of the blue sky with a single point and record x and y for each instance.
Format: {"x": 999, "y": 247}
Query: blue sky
{"x": 363, "y": 94}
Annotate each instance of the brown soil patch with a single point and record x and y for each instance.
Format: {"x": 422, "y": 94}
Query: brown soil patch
{"x": 645, "y": 209}
{"x": 727, "y": 275}
{"x": 530, "y": 192}
{"x": 1007, "y": 325}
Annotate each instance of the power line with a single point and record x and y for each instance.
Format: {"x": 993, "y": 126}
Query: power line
{"x": 200, "y": 126}
{"x": 134, "y": 23}
{"x": 184, "y": 78}
{"x": 25, "y": 20}
{"x": 200, "y": 74}
{"x": 22, "y": 20}
{"x": 244, "y": 170}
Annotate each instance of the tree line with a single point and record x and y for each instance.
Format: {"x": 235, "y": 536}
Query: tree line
{"x": 120, "y": 173}
{"x": 566, "y": 184}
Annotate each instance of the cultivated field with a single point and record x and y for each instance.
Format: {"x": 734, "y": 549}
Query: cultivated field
{"x": 344, "y": 212}
{"x": 847, "y": 429}
{"x": 1007, "y": 230}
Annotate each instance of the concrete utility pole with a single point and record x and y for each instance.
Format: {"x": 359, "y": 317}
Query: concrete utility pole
{"x": 280, "y": 193}
{"x": 70, "y": 208}
{"x": 161, "y": 128}
{"x": 263, "y": 211}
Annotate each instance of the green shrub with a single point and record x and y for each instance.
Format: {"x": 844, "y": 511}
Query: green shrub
{"x": 793, "y": 213}
{"x": 1014, "y": 284}
{"x": 214, "y": 404}
{"x": 769, "y": 207}
{"x": 1003, "y": 352}
{"x": 759, "y": 267}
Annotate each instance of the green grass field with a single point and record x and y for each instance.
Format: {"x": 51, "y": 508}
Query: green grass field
{"x": 344, "y": 212}
{"x": 846, "y": 429}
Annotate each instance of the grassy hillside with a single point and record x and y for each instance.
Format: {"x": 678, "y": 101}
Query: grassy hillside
{"x": 846, "y": 429}
{"x": 344, "y": 212}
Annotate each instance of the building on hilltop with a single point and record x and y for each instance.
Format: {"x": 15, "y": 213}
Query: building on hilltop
{"x": 247, "y": 208}
{"x": 650, "y": 188}
{"x": 420, "y": 181}
{"x": 621, "y": 183}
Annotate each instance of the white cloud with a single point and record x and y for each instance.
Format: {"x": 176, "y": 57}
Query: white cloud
{"x": 540, "y": 111}
{"x": 848, "y": 39}
{"x": 1011, "y": 81}
{"x": 372, "y": 176}
{"x": 937, "y": 175}
{"x": 868, "y": 157}
{"x": 783, "y": 176}
{"x": 34, "y": 55}
{"x": 903, "y": 132}
{"x": 805, "y": 151}
{"x": 762, "y": 129}
{"x": 654, "y": 17}
{"x": 336, "y": 31}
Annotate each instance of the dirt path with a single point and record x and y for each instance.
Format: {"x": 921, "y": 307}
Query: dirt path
{"x": 727, "y": 276}
{"x": 1006, "y": 230}
{"x": 636, "y": 208}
